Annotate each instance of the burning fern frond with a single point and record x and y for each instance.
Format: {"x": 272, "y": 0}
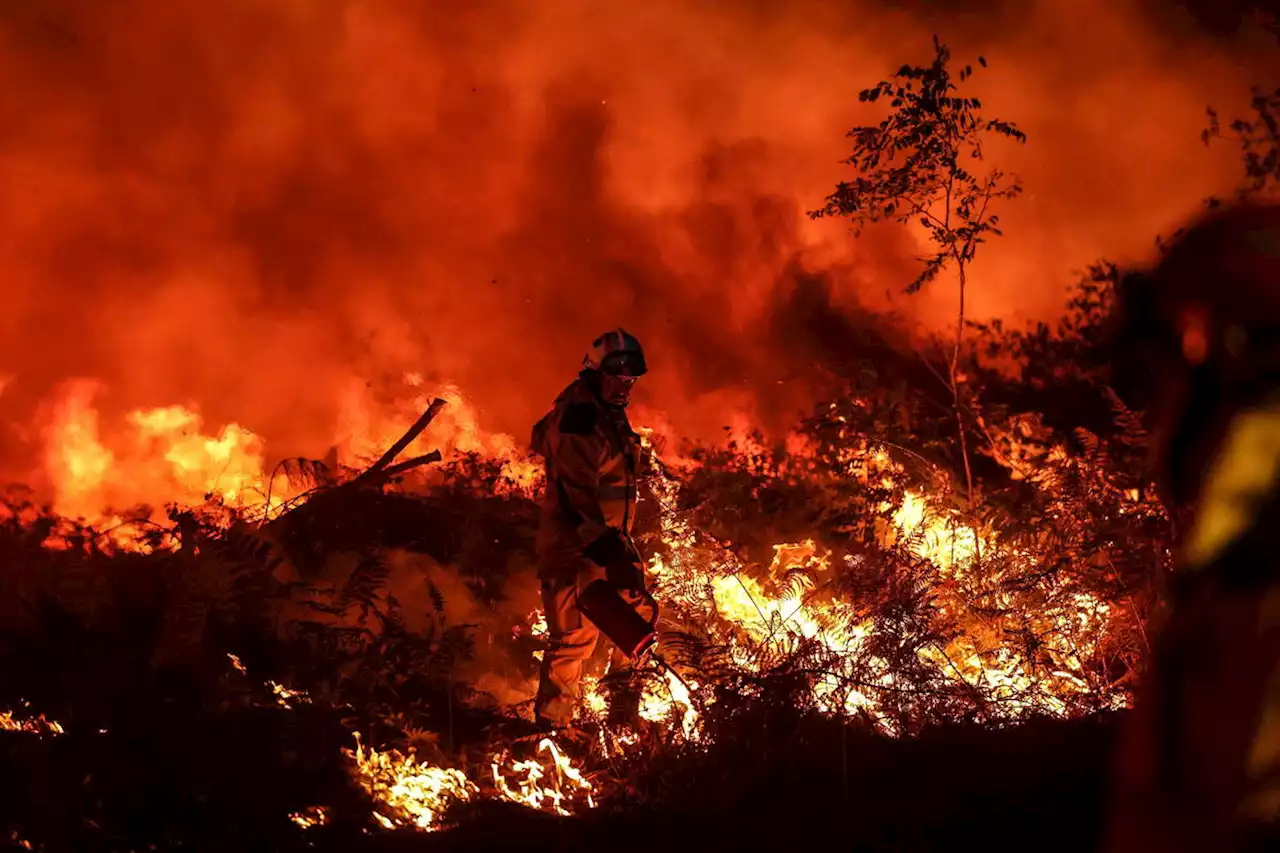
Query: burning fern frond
{"x": 795, "y": 583}
{"x": 303, "y": 473}
{"x": 685, "y": 649}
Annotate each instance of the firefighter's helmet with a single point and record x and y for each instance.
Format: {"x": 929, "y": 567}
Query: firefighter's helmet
{"x": 1214, "y": 298}
{"x": 1201, "y": 330}
{"x": 616, "y": 352}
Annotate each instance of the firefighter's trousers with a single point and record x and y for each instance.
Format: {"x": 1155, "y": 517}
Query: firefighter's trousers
{"x": 572, "y": 640}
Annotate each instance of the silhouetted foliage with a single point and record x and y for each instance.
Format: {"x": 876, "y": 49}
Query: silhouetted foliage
{"x": 1258, "y": 138}
{"x": 917, "y": 167}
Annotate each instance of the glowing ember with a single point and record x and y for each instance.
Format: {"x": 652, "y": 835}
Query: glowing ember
{"x": 593, "y": 700}
{"x": 536, "y": 627}
{"x": 313, "y": 816}
{"x": 286, "y": 697}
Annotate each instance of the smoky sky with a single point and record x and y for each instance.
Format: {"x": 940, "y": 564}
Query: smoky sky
{"x": 243, "y": 205}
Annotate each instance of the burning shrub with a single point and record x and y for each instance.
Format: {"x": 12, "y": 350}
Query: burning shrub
{"x": 826, "y": 583}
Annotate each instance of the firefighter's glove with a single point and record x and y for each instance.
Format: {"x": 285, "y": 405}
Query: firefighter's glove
{"x": 621, "y": 563}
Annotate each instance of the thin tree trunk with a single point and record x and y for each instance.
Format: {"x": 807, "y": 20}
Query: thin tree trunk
{"x": 955, "y": 389}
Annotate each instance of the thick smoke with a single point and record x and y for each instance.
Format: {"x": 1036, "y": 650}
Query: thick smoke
{"x": 243, "y": 204}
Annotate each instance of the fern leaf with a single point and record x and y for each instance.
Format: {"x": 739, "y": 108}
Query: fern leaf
{"x": 437, "y": 597}
{"x": 305, "y": 473}
{"x": 369, "y": 576}
{"x": 795, "y": 583}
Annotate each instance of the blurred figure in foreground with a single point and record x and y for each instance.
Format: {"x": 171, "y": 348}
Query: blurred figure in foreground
{"x": 593, "y": 458}
{"x": 1199, "y": 766}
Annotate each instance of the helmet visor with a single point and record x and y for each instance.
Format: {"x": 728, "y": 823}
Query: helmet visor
{"x": 629, "y": 364}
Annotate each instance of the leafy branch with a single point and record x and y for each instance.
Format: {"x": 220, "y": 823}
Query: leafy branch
{"x": 1258, "y": 139}
{"x": 918, "y": 166}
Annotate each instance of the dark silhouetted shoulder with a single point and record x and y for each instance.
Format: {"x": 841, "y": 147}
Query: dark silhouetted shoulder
{"x": 579, "y": 419}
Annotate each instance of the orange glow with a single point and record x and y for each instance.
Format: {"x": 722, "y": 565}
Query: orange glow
{"x": 239, "y": 232}
{"x": 163, "y": 455}
{"x": 294, "y": 232}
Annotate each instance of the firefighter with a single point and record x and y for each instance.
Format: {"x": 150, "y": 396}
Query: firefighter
{"x": 1199, "y": 762}
{"x": 592, "y": 463}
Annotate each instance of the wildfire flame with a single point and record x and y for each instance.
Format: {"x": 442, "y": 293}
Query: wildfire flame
{"x": 417, "y": 794}
{"x": 412, "y": 793}
{"x": 409, "y": 793}
{"x": 286, "y": 696}
{"x": 657, "y": 704}
{"x": 38, "y": 725}
{"x": 563, "y": 782}
{"x": 951, "y": 548}
{"x": 313, "y": 816}
{"x": 166, "y": 455}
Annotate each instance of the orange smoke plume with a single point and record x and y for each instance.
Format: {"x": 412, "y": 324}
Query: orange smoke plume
{"x": 244, "y": 207}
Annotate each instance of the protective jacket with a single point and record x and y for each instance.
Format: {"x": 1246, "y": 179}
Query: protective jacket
{"x": 1198, "y": 767}
{"x": 593, "y": 459}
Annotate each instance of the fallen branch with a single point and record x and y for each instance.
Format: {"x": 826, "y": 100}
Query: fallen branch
{"x": 405, "y": 440}
{"x": 380, "y": 470}
{"x": 407, "y": 465}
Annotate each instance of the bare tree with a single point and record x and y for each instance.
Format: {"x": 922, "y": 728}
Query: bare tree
{"x": 918, "y": 165}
